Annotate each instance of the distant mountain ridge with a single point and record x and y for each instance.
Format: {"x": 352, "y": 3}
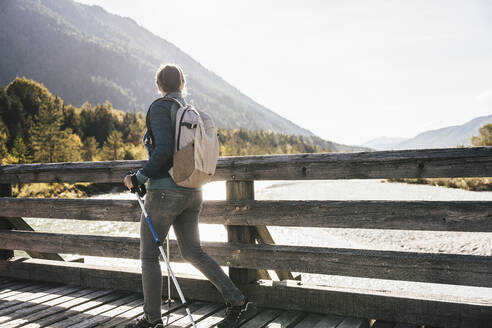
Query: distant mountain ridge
{"x": 383, "y": 143}
{"x": 447, "y": 137}
{"x": 83, "y": 53}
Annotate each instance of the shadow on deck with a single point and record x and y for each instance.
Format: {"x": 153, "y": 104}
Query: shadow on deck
{"x": 32, "y": 304}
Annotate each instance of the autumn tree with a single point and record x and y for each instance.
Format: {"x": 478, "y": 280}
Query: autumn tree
{"x": 20, "y": 101}
{"x": 485, "y": 137}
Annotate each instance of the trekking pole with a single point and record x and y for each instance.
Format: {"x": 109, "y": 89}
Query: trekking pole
{"x": 141, "y": 191}
{"x": 168, "y": 275}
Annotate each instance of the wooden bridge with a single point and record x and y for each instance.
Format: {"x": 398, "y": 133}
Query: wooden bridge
{"x": 250, "y": 250}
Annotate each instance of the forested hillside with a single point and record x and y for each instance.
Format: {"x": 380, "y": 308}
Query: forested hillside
{"x": 36, "y": 126}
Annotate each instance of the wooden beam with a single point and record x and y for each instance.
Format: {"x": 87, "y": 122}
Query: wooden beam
{"x": 103, "y": 171}
{"x": 387, "y": 305}
{"x": 20, "y": 224}
{"x": 5, "y": 191}
{"x": 407, "y": 215}
{"x": 242, "y": 190}
{"x": 422, "y": 163}
{"x": 425, "y": 163}
{"x": 391, "y": 306}
{"x": 366, "y": 214}
{"x": 453, "y": 269}
{"x": 263, "y": 236}
{"x": 17, "y": 223}
{"x": 72, "y": 208}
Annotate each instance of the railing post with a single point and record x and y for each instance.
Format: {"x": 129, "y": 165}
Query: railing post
{"x": 240, "y": 190}
{"x": 5, "y": 191}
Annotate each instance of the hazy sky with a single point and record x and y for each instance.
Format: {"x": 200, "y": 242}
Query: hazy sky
{"x": 347, "y": 70}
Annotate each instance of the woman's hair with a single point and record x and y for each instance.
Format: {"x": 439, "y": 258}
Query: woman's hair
{"x": 170, "y": 78}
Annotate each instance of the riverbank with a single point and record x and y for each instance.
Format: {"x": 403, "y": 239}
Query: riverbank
{"x": 471, "y": 184}
{"x": 65, "y": 190}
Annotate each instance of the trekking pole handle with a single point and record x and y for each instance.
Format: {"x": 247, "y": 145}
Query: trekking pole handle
{"x": 137, "y": 188}
{"x": 140, "y": 190}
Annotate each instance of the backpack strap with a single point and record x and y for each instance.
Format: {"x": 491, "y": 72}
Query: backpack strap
{"x": 173, "y": 100}
{"x": 172, "y": 116}
{"x": 174, "y": 110}
{"x": 181, "y": 123}
{"x": 179, "y": 127}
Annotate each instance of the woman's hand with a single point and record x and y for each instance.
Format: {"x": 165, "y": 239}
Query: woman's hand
{"x": 128, "y": 181}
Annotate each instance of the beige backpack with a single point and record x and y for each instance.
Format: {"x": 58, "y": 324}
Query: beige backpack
{"x": 196, "y": 147}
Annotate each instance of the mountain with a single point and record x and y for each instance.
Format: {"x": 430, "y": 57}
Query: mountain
{"x": 83, "y": 53}
{"x": 447, "y": 137}
{"x": 383, "y": 143}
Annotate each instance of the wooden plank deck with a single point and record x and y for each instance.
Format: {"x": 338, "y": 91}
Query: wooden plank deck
{"x": 31, "y": 304}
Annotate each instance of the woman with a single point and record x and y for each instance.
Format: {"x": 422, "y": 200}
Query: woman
{"x": 168, "y": 203}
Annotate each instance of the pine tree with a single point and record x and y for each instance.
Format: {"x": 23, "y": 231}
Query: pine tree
{"x": 19, "y": 150}
{"x": 72, "y": 149}
{"x": 46, "y": 136}
{"x": 71, "y": 119}
{"x": 3, "y": 140}
{"x": 113, "y": 146}
{"x": 132, "y": 126}
{"x": 89, "y": 149}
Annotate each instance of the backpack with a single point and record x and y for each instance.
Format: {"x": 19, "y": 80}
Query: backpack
{"x": 196, "y": 146}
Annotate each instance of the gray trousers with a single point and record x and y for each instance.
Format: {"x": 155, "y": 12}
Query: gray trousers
{"x": 181, "y": 209}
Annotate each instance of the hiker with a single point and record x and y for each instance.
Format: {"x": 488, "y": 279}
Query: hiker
{"x": 167, "y": 203}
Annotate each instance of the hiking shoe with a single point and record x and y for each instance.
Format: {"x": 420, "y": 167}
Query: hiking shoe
{"x": 143, "y": 323}
{"x": 236, "y": 315}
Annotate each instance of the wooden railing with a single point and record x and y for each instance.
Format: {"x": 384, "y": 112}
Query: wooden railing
{"x": 246, "y": 220}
